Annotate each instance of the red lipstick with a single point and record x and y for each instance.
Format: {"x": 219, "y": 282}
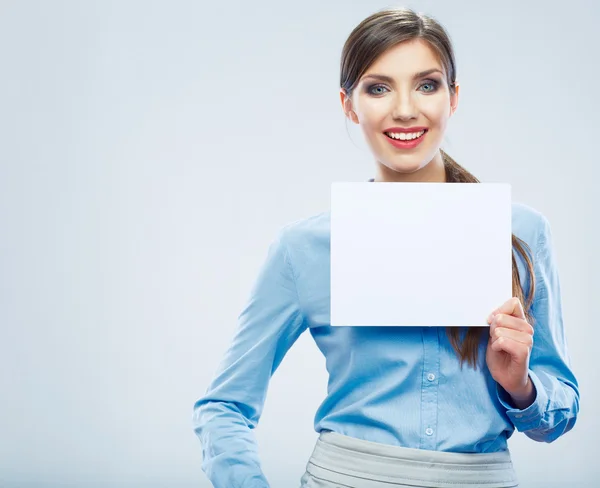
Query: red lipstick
{"x": 400, "y": 144}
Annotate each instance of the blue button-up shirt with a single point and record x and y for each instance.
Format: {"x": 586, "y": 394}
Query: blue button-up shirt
{"x": 395, "y": 385}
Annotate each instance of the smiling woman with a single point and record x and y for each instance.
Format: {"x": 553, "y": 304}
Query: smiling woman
{"x": 401, "y": 410}
{"x": 408, "y": 80}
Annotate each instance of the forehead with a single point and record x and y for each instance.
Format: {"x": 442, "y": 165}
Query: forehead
{"x": 405, "y": 59}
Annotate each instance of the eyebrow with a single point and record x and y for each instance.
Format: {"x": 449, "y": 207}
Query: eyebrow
{"x": 391, "y": 80}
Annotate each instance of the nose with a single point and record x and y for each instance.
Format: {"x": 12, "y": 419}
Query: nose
{"x": 404, "y": 106}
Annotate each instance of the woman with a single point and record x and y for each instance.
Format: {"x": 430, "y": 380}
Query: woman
{"x": 406, "y": 406}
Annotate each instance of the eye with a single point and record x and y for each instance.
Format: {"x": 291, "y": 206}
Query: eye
{"x": 371, "y": 89}
{"x": 433, "y": 83}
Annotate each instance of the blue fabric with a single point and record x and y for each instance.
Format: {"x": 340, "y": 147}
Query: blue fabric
{"x": 393, "y": 385}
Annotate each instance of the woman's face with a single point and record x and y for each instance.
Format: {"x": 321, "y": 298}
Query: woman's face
{"x": 393, "y": 94}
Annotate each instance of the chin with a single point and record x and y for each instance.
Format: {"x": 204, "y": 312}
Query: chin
{"x": 405, "y": 168}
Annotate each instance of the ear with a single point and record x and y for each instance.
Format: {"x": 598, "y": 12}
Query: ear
{"x": 454, "y": 99}
{"x": 347, "y": 106}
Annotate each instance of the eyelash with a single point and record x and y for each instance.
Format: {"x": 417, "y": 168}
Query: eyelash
{"x": 427, "y": 82}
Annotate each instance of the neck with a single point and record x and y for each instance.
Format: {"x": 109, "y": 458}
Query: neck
{"x": 433, "y": 172}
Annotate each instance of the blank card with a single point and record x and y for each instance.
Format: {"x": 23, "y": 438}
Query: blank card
{"x": 419, "y": 254}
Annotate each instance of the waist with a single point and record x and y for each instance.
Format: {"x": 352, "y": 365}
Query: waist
{"x": 342, "y": 458}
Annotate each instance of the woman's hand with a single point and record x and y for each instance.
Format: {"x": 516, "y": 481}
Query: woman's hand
{"x": 508, "y": 351}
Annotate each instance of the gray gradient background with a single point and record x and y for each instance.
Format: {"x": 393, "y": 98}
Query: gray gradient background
{"x": 149, "y": 153}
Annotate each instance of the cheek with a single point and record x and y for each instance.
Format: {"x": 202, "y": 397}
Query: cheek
{"x": 373, "y": 113}
{"x": 436, "y": 112}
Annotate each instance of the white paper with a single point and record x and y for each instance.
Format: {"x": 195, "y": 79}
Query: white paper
{"x": 419, "y": 254}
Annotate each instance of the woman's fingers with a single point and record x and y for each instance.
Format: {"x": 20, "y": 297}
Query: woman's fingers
{"x": 516, "y": 349}
{"x": 503, "y": 334}
{"x": 510, "y": 307}
{"x": 510, "y": 322}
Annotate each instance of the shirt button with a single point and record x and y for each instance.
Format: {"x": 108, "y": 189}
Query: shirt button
{"x": 431, "y": 377}
{"x": 519, "y": 415}
{"x": 429, "y": 431}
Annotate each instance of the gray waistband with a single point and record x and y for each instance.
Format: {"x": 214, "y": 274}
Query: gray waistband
{"x": 343, "y": 456}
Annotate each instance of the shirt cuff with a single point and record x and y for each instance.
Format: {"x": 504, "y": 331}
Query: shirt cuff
{"x": 530, "y": 417}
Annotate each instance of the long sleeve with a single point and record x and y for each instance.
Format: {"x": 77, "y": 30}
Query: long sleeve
{"x": 224, "y": 417}
{"x": 555, "y": 408}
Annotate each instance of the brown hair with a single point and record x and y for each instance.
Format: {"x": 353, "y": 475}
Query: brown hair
{"x": 369, "y": 39}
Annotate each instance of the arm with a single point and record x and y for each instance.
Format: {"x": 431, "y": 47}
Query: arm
{"x": 224, "y": 417}
{"x": 554, "y": 400}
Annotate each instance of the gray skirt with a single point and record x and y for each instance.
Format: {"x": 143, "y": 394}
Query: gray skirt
{"x": 342, "y": 461}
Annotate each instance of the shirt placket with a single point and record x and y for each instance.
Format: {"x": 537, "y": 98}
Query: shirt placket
{"x": 429, "y": 388}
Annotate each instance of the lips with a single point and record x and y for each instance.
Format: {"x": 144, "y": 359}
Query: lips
{"x": 406, "y": 144}
{"x": 406, "y": 140}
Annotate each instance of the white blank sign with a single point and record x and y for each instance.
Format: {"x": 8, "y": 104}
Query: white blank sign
{"x": 419, "y": 254}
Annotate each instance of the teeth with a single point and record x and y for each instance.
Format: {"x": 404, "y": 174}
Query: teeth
{"x": 404, "y": 136}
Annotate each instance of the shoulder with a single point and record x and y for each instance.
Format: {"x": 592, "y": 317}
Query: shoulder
{"x": 308, "y": 230}
{"x": 529, "y": 224}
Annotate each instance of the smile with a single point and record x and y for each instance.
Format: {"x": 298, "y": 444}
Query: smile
{"x": 401, "y": 136}
{"x": 404, "y": 140}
